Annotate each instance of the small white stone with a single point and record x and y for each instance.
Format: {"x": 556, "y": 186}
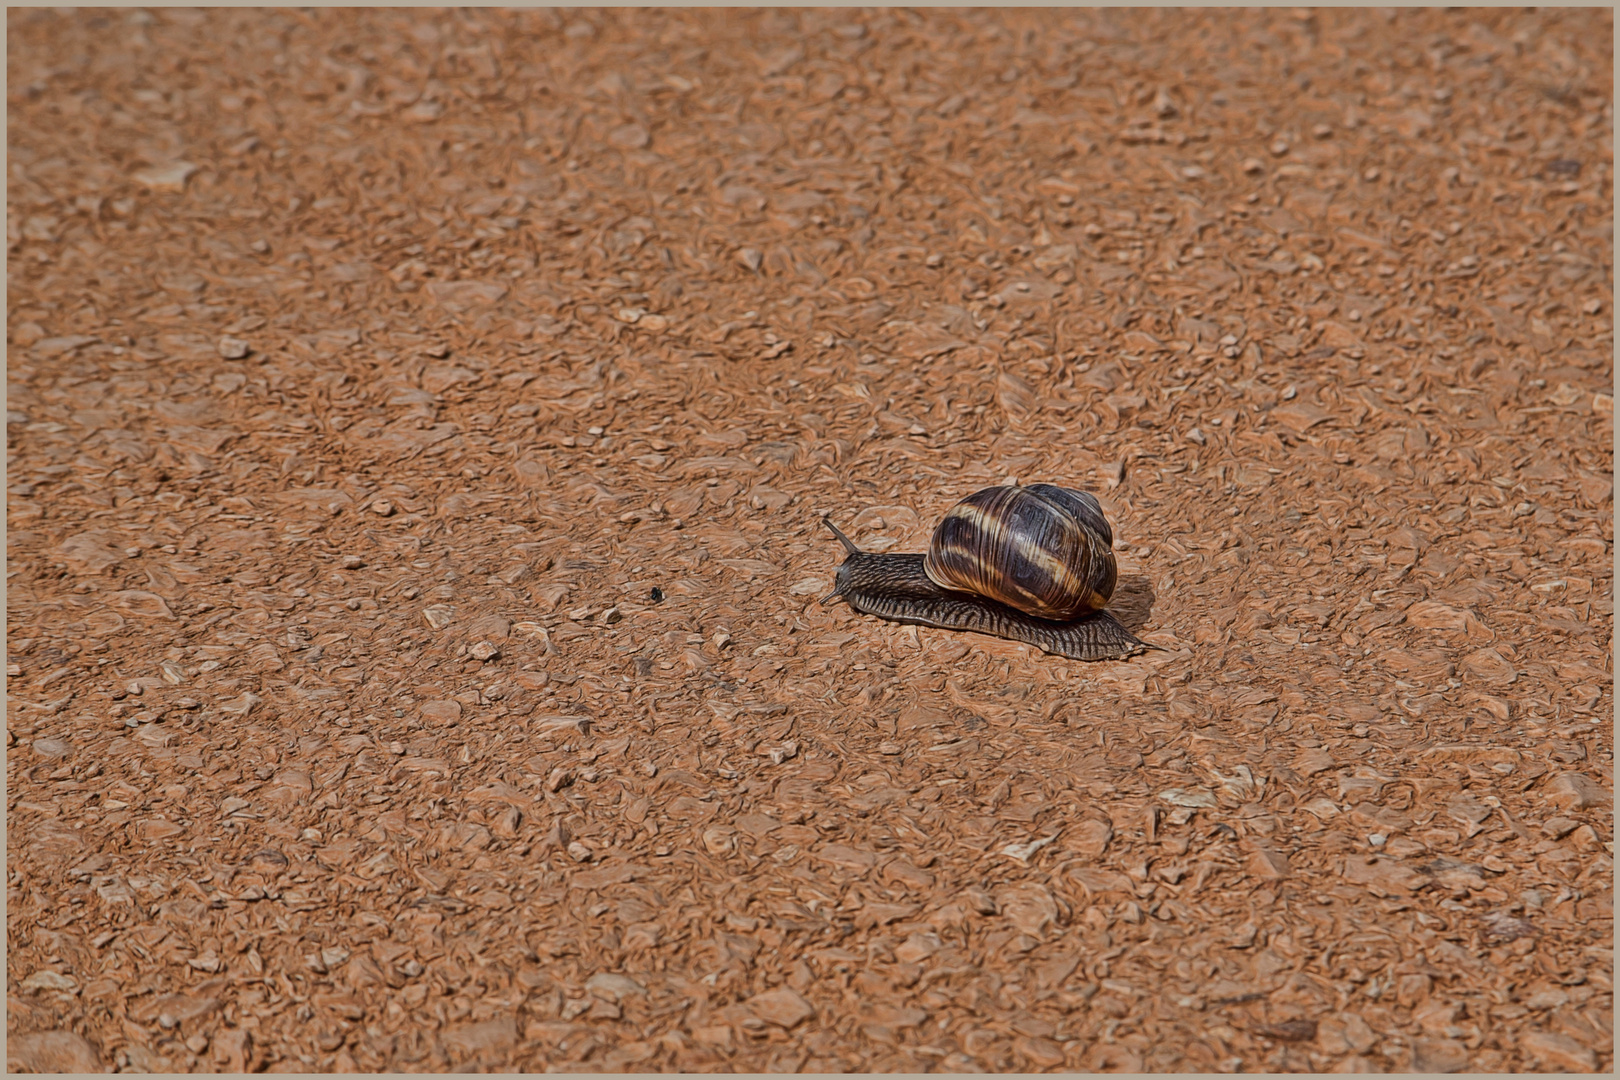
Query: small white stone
{"x": 48, "y": 980}
{"x": 1022, "y": 852}
{"x": 170, "y": 177}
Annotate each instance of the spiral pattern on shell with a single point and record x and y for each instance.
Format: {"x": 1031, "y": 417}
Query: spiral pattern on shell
{"x": 1044, "y": 550}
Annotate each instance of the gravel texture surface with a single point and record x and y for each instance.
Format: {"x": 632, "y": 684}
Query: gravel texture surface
{"x": 419, "y": 425}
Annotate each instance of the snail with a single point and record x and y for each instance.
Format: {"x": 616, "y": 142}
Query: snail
{"x": 1033, "y": 564}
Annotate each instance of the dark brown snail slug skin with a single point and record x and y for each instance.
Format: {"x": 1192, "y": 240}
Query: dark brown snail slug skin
{"x": 895, "y": 587}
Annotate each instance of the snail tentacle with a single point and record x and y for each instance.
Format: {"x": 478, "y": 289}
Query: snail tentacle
{"x": 849, "y": 545}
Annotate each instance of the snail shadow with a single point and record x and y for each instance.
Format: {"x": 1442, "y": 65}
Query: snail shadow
{"x": 1132, "y": 602}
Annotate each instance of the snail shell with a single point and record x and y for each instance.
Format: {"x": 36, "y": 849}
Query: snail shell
{"x": 1044, "y": 550}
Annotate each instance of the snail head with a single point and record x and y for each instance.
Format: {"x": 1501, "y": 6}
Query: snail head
{"x": 841, "y": 575}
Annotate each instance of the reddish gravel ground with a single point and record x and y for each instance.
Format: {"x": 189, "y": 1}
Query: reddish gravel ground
{"x": 373, "y": 372}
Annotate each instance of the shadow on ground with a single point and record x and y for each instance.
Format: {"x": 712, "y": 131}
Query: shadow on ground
{"x": 1132, "y": 603}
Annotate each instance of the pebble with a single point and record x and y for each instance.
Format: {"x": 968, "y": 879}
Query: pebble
{"x": 233, "y": 348}
{"x": 443, "y": 712}
{"x": 484, "y": 650}
{"x": 51, "y": 748}
{"x": 1557, "y": 828}
{"x": 784, "y": 1007}
{"x": 1558, "y": 1051}
{"x": 613, "y": 987}
{"x": 57, "y": 1051}
{"x": 48, "y": 980}
{"x": 1546, "y": 999}
{"x": 1023, "y": 852}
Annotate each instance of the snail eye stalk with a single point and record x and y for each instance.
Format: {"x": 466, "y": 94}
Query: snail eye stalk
{"x": 849, "y": 545}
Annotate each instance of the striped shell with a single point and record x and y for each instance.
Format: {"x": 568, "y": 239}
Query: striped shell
{"x": 1044, "y": 550}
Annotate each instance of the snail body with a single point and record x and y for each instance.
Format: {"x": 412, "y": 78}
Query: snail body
{"x": 1032, "y": 564}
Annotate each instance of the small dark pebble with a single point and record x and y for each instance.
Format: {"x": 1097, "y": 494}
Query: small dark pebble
{"x": 657, "y": 595}
{"x": 1563, "y": 167}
